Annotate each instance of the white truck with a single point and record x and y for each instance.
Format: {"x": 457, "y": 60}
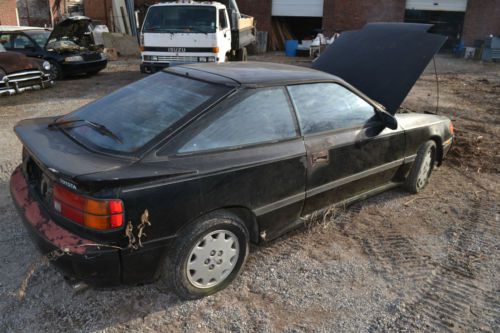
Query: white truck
{"x": 188, "y": 32}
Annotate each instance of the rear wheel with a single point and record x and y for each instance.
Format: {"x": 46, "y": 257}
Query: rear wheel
{"x": 208, "y": 255}
{"x": 421, "y": 170}
{"x": 242, "y": 54}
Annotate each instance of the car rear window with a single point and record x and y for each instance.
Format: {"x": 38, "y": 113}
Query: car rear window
{"x": 139, "y": 112}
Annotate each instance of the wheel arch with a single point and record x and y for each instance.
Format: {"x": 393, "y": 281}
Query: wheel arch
{"x": 242, "y": 212}
{"x": 439, "y": 148}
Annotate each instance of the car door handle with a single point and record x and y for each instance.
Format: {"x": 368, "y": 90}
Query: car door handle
{"x": 320, "y": 157}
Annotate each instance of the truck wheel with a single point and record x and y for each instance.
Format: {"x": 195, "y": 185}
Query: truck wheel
{"x": 422, "y": 168}
{"x": 242, "y": 54}
{"x": 207, "y": 256}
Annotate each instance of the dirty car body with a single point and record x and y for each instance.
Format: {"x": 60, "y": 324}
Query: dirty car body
{"x": 270, "y": 143}
{"x": 19, "y": 73}
{"x": 68, "y": 47}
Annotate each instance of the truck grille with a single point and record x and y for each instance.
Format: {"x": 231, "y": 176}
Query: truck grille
{"x": 172, "y": 58}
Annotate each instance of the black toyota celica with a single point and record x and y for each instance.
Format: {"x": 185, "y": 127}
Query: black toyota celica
{"x": 173, "y": 176}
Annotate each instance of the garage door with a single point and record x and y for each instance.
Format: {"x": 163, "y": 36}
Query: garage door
{"x": 442, "y": 5}
{"x": 303, "y": 8}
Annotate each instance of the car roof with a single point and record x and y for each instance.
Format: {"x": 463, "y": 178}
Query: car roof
{"x": 253, "y": 73}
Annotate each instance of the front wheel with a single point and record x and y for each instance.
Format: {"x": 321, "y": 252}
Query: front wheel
{"x": 421, "y": 170}
{"x": 56, "y": 72}
{"x": 208, "y": 255}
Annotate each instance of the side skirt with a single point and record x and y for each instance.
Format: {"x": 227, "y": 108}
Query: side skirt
{"x": 302, "y": 221}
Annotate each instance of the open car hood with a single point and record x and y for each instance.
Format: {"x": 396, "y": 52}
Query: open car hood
{"x": 383, "y": 60}
{"x": 76, "y": 29}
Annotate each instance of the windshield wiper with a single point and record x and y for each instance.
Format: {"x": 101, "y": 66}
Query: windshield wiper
{"x": 100, "y": 128}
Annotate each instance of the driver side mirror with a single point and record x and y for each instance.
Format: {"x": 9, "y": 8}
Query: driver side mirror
{"x": 389, "y": 120}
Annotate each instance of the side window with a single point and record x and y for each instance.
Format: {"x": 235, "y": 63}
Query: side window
{"x": 259, "y": 116}
{"x": 6, "y": 40}
{"x": 328, "y": 106}
{"x": 21, "y": 42}
{"x": 222, "y": 19}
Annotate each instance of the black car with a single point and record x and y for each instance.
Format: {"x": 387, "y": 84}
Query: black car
{"x": 68, "y": 47}
{"x": 175, "y": 174}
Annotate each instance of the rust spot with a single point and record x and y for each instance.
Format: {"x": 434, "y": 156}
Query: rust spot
{"x": 46, "y": 228}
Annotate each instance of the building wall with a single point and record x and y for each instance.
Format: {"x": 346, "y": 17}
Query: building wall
{"x": 34, "y": 13}
{"x": 8, "y": 14}
{"x": 354, "y": 14}
{"x": 482, "y": 18}
{"x": 260, "y": 9}
{"x": 98, "y": 10}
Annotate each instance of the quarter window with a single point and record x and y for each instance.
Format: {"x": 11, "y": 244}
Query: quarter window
{"x": 328, "y": 106}
{"x": 256, "y": 117}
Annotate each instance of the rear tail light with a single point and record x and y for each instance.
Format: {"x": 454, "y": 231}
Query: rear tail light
{"x": 92, "y": 213}
{"x": 452, "y": 129}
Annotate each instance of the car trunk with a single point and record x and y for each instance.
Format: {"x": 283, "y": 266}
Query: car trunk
{"x": 53, "y": 155}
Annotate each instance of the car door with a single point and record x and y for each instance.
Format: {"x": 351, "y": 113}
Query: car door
{"x": 223, "y": 34}
{"x": 349, "y": 150}
{"x": 247, "y": 152}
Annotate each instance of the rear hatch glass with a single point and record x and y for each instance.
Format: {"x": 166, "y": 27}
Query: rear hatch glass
{"x": 136, "y": 114}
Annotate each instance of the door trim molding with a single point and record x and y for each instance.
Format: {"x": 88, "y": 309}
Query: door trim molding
{"x": 326, "y": 187}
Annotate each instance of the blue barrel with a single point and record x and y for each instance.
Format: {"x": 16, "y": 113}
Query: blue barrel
{"x": 291, "y": 48}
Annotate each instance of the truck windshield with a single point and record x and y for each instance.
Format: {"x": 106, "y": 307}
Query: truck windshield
{"x": 187, "y": 19}
{"x": 138, "y": 113}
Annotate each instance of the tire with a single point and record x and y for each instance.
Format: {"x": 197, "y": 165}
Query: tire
{"x": 422, "y": 167}
{"x": 242, "y": 54}
{"x": 55, "y": 70}
{"x": 219, "y": 261}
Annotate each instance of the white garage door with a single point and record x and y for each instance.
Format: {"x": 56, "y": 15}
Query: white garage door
{"x": 442, "y": 5}
{"x": 304, "y": 8}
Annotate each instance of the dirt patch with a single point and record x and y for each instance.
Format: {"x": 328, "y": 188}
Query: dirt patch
{"x": 395, "y": 262}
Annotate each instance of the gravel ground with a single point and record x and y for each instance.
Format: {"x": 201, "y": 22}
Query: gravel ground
{"x": 427, "y": 262}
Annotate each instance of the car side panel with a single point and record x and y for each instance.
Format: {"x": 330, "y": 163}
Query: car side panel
{"x": 358, "y": 160}
{"x": 419, "y": 128}
{"x": 256, "y": 178}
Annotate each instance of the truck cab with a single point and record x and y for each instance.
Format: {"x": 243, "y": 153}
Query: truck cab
{"x": 190, "y": 32}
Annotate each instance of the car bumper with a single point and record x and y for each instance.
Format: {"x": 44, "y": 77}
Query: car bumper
{"x": 83, "y": 67}
{"x": 20, "y": 82}
{"x": 447, "y": 146}
{"x": 75, "y": 256}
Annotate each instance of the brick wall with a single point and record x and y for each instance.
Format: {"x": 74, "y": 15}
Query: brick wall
{"x": 354, "y": 14}
{"x": 482, "y": 18}
{"x": 260, "y": 10}
{"x": 34, "y": 13}
{"x": 8, "y": 15}
{"x": 98, "y": 10}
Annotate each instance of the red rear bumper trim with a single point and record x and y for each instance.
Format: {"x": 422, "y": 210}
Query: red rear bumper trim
{"x": 46, "y": 228}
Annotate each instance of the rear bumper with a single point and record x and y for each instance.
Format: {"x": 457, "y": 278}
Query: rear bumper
{"x": 75, "y": 256}
{"x": 25, "y": 81}
{"x": 83, "y": 67}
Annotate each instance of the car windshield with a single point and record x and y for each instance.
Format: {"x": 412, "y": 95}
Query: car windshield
{"x": 40, "y": 37}
{"x": 188, "y": 19}
{"x": 138, "y": 113}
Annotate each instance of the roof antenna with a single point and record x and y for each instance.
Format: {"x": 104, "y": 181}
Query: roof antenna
{"x": 437, "y": 84}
